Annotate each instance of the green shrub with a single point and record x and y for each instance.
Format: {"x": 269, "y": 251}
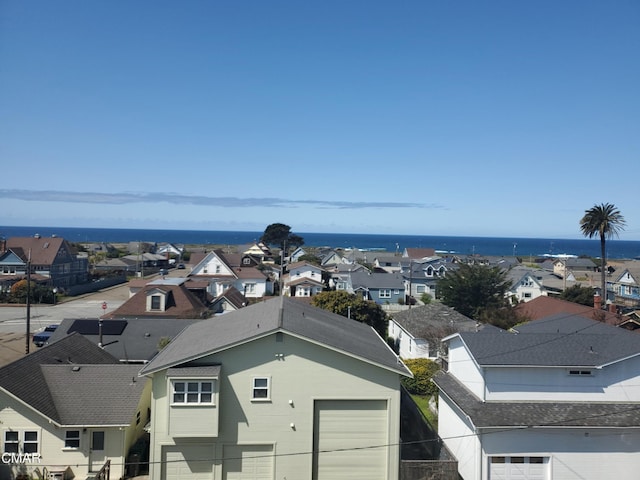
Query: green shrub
{"x": 423, "y": 369}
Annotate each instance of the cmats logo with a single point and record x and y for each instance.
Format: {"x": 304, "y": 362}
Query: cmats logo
{"x": 20, "y": 458}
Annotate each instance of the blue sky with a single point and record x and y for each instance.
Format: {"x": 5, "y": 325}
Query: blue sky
{"x": 492, "y": 118}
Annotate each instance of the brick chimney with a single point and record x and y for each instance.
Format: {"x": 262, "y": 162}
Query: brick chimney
{"x": 613, "y": 308}
{"x": 597, "y": 302}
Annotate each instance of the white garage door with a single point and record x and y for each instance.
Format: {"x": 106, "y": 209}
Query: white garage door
{"x": 194, "y": 462}
{"x": 248, "y": 462}
{"x": 519, "y": 468}
{"x": 350, "y": 439}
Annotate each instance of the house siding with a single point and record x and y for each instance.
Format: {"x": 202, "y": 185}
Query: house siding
{"x": 619, "y": 382}
{"x": 304, "y": 374}
{"x": 461, "y": 441}
{"x": 576, "y": 453}
{"x": 16, "y": 416}
{"x": 465, "y": 369}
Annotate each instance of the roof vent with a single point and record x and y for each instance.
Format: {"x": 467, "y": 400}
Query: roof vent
{"x": 76, "y": 368}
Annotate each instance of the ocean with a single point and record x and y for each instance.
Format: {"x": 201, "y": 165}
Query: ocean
{"x": 493, "y": 246}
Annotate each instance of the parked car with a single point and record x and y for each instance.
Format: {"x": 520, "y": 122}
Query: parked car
{"x": 41, "y": 338}
{"x": 181, "y": 266}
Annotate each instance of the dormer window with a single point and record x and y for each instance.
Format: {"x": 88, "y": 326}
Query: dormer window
{"x": 156, "y": 301}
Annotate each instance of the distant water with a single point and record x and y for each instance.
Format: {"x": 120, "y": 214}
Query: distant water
{"x": 521, "y": 247}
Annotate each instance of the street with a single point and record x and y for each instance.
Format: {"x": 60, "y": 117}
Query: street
{"x": 13, "y": 319}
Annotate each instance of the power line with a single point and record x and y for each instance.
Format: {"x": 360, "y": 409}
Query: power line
{"x": 398, "y": 444}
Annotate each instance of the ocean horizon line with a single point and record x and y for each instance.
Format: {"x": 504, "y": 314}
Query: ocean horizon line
{"x": 396, "y": 243}
{"x": 49, "y": 228}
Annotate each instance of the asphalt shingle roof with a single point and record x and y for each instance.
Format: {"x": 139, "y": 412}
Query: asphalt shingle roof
{"x": 25, "y": 380}
{"x": 281, "y": 314}
{"x": 137, "y": 342}
{"x": 561, "y": 340}
{"x": 94, "y": 394}
{"x": 537, "y": 414}
{"x": 433, "y": 314}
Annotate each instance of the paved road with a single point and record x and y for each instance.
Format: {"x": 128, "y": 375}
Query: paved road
{"x": 13, "y": 320}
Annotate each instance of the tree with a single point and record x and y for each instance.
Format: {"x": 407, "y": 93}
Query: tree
{"x": 423, "y": 370}
{"x": 280, "y": 234}
{"x": 472, "y": 289}
{"x": 354, "y": 307}
{"x": 605, "y": 221}
{"x": 578, "y": 294}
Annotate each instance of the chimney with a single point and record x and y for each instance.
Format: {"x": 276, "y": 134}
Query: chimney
{"x": 597, "y": 302}
{"x": 612, "y": 308}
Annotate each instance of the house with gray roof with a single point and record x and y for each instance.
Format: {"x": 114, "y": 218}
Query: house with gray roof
{"x": 625, "y": 284}
{"x": 278, "y": 389}
{"x": 130, "y": 340}
{"x": 421, "y": 276}
{"x": 418, "y": 331}
{"x": 553, "y": 398}
{"x": 382, "y": 288}
{"x": 68, "y": 409}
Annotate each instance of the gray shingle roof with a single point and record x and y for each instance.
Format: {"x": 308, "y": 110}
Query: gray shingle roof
{"x": 280, "y": 314}
{"x": 139, "y": 340}
{"x": 433, "y": 314}
{"x": 537, "y": 414}
{"x": 74, "y": 349}
{"x": 561, "y": 340}
{"x": 361, "y": 279}
{"x": 94, "y": 394}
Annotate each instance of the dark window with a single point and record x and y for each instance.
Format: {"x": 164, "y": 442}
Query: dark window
{"x": 155, "y": 302}
{"x": 72, "y": 439}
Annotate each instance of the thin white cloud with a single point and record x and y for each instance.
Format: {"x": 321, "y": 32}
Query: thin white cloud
{"x": 179, "y": 199}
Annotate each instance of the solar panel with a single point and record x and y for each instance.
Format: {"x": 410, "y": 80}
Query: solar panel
{"x": 91, "y": 326}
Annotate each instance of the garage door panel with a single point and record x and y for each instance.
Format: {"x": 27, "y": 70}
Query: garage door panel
{"x": 189, "y": 461}
{"x": 248, "y": 462}
{"x": 350, "y": 438}
{"x": 518, "y": 468}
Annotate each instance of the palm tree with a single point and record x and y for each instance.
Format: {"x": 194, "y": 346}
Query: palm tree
{"x": 606, "y": 221}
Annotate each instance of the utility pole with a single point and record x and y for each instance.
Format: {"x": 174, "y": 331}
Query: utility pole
{"x": 28, "y": 340}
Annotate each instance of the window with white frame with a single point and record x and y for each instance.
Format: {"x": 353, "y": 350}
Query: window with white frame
{"x": 249, "y": 288}
{"x": 420, "y": 289}
{"x": 260, "y": 390}
{"x": 385, "y": 293}
{"x": 11, "y": 441}
{"x": 21, "y": 441}
{"x": 72, "y": 439}
{"x": 192, "y": 392}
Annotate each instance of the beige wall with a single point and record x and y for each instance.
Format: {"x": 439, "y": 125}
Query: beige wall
{"x": 306, "y": 372}
{"x": 15, "y": 415}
